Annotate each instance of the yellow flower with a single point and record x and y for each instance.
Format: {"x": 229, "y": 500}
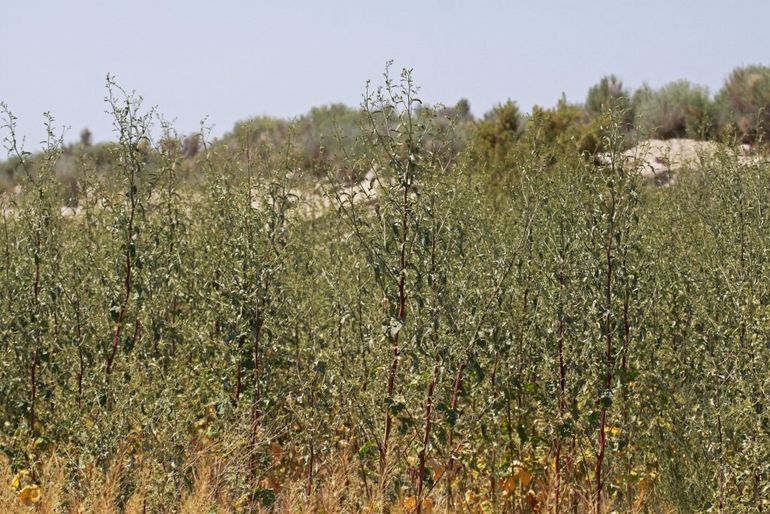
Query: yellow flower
{"x": 29, "y": 495}
{"x": 20, "y": 479}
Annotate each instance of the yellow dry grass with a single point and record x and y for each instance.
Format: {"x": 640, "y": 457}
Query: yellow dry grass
{"x": 336, "y": 488}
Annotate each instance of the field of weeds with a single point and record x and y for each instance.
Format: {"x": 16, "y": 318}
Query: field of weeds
{"x": 410, "y": 327}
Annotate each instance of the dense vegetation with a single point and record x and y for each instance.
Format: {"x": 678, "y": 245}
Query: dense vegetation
{"x": 440, "y": 314}
{"x": 330, "y": 136}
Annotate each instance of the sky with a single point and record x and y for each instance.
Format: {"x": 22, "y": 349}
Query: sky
{"x": 228, "y": 60}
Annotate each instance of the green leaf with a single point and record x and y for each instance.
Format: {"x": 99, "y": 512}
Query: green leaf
{"x": 265, "y": 496}
{"x": 394, "y": 406}
{"x": 368, "y": 449}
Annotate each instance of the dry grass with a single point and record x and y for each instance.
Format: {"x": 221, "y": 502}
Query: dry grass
{"x": 218, "y": 480}
{"x": 337, "y": 487}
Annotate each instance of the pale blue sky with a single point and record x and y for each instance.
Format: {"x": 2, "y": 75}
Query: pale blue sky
{"x": 230, "y": 60}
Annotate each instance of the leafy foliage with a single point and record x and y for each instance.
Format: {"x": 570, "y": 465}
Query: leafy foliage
{"x": 281, "y": 334}
{"x": 743, "y": 102}
{"x": 609, "y": 93}
{"x": 678, "y": 109}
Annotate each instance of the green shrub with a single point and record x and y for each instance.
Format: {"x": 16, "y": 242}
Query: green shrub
{"x": 568, "y": 127}
{"x": 498, "y": 132}
{"x": 678, "y": 109}
{"x": 744, "y": 103}
{"x": 568, "y": 342}
{"x": 609, "y": 93}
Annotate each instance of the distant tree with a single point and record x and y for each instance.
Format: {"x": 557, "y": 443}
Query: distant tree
{"x": 462, "y": 109}
{"x": 191, "y": 145}
{"x": 86, "y": 138}
{"x": 743, "y": 103}
{"x": 678, "y": 109}
{"x": 609, "y": 93}
{"x": 499, "y": 130}
{"x": 504, "y": 120}
{"x": 566, "y": 126}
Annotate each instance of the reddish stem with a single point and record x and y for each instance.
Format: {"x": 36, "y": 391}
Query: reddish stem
{"x": 426, "y": 436}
